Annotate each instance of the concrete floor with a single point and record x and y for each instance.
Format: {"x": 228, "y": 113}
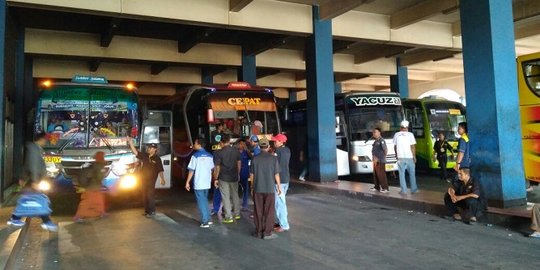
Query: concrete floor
{"x": 327, "y": 232}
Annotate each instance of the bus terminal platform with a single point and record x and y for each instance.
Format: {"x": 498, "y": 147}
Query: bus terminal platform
{"x": 355, "y": 191}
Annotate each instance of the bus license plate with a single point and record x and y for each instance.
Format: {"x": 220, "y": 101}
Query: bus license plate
{"x": 389, "y": 167}
{"x": 52, "y": 159}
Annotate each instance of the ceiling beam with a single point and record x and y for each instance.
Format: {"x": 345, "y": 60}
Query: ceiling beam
{"x": 190, "y": 39}
{"x": 378, "y": 52}
{"x": 93, "y": 65}
{"x": 332, "y": 9}
{"x": 300, "y": 76}
{"x": 261, "y": 73}
{"x": 340, "y": 77}
{"x": 109, "y": 32}
{"x": 526, "y": 30}
{"x": 260, "y": 46}
{"x": 157, "y": 68}
{"x": 425, "y": 55}
{"x": 237, "y": 5}
{"x": 421, "y": 11}
{"x": 525, "y": 9}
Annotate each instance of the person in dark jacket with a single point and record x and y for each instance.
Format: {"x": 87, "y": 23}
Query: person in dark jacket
{"x": 151, "y": 168}
{"x": 34, "y": 171}
{"x": 440, "y": 148}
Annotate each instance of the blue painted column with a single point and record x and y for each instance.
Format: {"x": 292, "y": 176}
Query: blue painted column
{"x": 3, "y": 25}
{"x": 399, "y": 83}
{"x": 248, "y": 70}
{"x": 19, "y": 125}
{"x": 207, "y": 77}
{"x": 320, "y": 101}
{"x": 492, "y": 99}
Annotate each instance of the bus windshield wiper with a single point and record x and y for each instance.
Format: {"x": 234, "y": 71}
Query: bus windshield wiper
{"x": 105, "y": 140}
{"x": 68, "y": 142}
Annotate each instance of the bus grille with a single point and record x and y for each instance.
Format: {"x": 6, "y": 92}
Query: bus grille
{"x": 74, "y": 168}
{"x": 391, "y": 158}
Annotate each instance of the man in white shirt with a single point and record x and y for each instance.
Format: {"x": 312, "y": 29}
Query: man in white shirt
{"x": 405, "y": 148}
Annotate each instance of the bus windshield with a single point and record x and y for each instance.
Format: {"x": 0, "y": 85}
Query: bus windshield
{"x": 83, "y": 116}
{"x": 244, "y": 116}
{"x": 362, "y": 120}
{"x": 445, "y": 117}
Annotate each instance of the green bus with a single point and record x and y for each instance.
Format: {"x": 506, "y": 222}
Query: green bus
{"x": 428, "y": 117}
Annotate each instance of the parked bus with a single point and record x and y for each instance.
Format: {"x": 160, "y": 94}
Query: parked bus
{"x": 82, "y": 117}
{"x": 242, "y": 109}
{"x": 528, "y": 67}
{"x": 357, "y": 113}
{"x": 428, "y": 117}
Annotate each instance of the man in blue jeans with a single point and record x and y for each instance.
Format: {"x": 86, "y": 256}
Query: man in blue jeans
{"x": 283, "y": 154}
{"x": 405, "y": 148}
{"x": 200, "y": 169}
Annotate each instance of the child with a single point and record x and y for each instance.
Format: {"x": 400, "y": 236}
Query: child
{"x": 92, "y": 200}
{"x": 200, "y": 169}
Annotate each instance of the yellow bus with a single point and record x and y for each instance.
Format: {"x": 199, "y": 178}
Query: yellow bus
{"x": 528, "y": 67}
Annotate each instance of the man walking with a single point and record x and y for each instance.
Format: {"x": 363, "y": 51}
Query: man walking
{"x": 264, "y": 176}
{"x": 151, "y": 168}
{"x": 226, "y": 174}
{"x": 378, "y": 152}
{"x": 405, "y": 148}
{"x": 283, "y": 154}
{"x": 34, "y": 171}
{"x": 200, "y": 169}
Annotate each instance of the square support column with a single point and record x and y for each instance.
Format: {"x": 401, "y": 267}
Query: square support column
{"x": 248, "y": 70}
{"x": 399, "y": 83}
{"x": 492, "y": 100}
{"x": 320, "y": 101}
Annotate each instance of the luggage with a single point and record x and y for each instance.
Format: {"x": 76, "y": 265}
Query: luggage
{"x": 33, "y": 204}
{"x": 92, "y": 204}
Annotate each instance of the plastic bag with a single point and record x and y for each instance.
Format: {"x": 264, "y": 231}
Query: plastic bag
{"x": 32, "y": 204}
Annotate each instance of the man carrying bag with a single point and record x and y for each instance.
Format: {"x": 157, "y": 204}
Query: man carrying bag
{"x": 33, "y": 203}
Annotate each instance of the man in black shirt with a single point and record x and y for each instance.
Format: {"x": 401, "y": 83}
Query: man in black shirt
{"x": 151, "y": 168}
{"x": 264, "y": 178}
{"x": 464, "y": 194}
{"x": 440, "y": 147}
{"x": 227, "y": 174}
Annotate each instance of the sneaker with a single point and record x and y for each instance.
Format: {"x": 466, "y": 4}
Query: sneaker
{"x": 150, "y": 215}
{"x": 278, "y": 229}
{"x": 210, "y": 223}
{"x": 535, "y": 235}
{"x": 256, "y": 235}
{"x": 384, "y": 191}
{"x": 301, "y": 178}
{"x": 213, "y": 213}
{"x": 415, "y": 192}
{"x": 529, "y": 189}
{"x": 204, "y": 225}
{"x": 78, "y": 220}
{"x": 373, "y": 189}
{"x": 228, "y": 220}
{"x": 237, "y": 216}
{"x": 472, "y": 220}
{"x": 270, "y": 237}
{"x": 16, "y": 222}
{"x": 457, "y": 216}
{"x": 49, "y": 226}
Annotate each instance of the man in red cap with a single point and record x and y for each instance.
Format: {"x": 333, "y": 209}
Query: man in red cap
{"x": 92, "y": 202}
{"x": 283, "y": 154}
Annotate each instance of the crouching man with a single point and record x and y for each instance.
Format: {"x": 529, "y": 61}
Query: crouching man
{"x": 464, "y": 194}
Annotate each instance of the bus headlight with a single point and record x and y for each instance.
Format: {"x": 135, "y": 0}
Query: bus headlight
{"x": 361, "y": 158}
{"x": 120, "y": 168}
{"x": 44, "y": 185}
{"x": 128, "y": 182}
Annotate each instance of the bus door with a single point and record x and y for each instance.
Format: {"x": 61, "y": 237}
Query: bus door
{"x": 414, "y": 113}
{"x": 157, "y": 128}
{"x": 342, "y": 144}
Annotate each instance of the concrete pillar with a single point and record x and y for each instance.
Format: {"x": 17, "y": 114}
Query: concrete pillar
{"x": 493, "y": 108}
{"x": 19, "y": 126}
{"x": 3, "y": 26}
{"x": 248, "y": 70}
{"x": 399, "y": 83}
{"x": 320, "y": 101}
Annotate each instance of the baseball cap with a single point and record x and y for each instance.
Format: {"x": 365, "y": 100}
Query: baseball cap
{"x": 264, "y": 142}
{"x": 257, "y": 123}
{"x": 404, "y": 123}
{"x": 254, "y": 138}
{"x": 280, "y": 138}
{"x": 153, "y": 145}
